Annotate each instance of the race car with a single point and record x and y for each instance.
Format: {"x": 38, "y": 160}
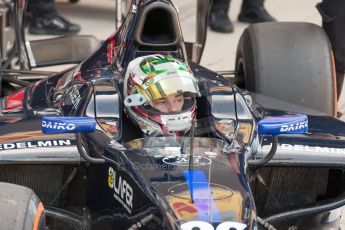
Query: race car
{"x": 265, "y": 150}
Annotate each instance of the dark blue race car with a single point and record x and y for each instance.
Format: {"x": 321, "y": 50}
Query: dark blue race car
{"x": 265, "y": 150}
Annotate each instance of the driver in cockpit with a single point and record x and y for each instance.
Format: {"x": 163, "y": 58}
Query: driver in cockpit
{"x": 160, "y": 95}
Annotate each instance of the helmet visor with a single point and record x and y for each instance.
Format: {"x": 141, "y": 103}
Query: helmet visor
{"x": 170, "y": 85}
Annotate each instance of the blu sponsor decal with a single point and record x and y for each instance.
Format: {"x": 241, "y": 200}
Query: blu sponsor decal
{"x": 123, "y": 192}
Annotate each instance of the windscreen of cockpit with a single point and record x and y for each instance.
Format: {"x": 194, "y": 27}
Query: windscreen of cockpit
{"x": 167, "y": 146}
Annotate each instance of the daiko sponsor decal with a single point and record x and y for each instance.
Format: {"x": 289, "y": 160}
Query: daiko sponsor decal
{"x": 58, "y": 125}
{"x": 294, "y": 127}
{"x": 35, "y": 144}
{"x": 123, "y": 192}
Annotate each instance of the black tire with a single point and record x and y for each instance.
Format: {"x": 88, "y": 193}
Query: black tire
{"x": 20, "y": 208}
{"x": 73, "y": 1}
{"x": 291, "y": 61}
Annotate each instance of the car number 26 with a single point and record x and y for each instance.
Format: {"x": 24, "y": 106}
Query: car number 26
{"x": 202, "y": 225}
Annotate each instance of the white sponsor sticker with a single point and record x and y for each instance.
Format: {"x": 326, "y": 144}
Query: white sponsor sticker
{"x": 179, "y": 160}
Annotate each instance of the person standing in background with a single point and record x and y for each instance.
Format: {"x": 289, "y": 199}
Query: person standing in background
{"x": 43, "y": 18}
{"x": 252, "y": 11}
{"x": 333, "y": 22}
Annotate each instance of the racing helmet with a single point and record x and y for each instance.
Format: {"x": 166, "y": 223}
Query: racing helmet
{"x": 154, "y": 77}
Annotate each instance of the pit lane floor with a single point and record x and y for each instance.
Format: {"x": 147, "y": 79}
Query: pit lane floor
{"x": 97, "y": 18}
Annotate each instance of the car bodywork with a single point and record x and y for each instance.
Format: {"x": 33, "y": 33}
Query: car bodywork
{"x": 302, "y": 186}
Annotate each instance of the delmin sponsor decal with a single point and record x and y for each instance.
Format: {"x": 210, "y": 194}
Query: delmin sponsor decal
{"x": 307, "y": 148}
{"x": 35, "y": 135}
{"x": 35, "y": 144}
{"x": 123, "y": 192}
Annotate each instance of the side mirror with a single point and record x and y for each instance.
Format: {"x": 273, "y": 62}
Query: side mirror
{"x": 290, "y": 124}
{"x": 56, "y": 125}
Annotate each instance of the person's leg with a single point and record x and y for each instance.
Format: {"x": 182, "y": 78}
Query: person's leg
{"x": 333, "y": 22}
{"x": 44, "y": 19}
{"x": 253, "y": 11}
{"x": 42, "y": 8}
{"x": 218, "y": 5}
{"x": 219, "y": 20}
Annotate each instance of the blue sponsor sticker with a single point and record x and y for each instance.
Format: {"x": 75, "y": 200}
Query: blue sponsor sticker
{"x": 56, "y": 125}
{"x": 290, "y": 124}
{"x": 201, "y": 194}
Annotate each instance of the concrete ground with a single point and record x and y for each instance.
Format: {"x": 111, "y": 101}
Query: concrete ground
{"x": 97, "y": 18}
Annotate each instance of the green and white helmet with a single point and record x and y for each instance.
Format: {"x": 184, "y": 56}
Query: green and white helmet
{"x": 153, "y": 77}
